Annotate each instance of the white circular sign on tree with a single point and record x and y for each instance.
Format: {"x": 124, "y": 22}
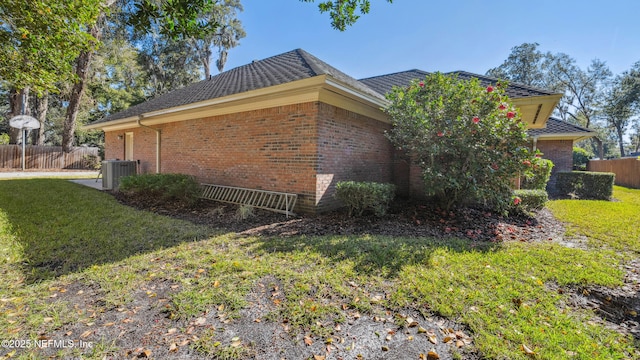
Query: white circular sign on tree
{"x": 25, "y": 122}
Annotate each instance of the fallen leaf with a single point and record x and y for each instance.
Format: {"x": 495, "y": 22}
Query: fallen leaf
{"x": 221, "y": 307}
{"x": 173, "y": 347}
{"x": 86, "y": 334}
{"x": 47, "y": 319}
{"x": 308, "y": 341}
{"x": 235, "y": 342}
{"x": 200, "y": 321}
{"x": 448, "y": 339}
{"x": 318, "y": 357}
{"x": 385, "y": 348}
{"x": 109, "y": 324}
{"x": 459, "y": 343}
{"x": 526, "y": 350}
{"x": 145, "y": 353}
{"x": 433, "y": 339}
{"x": 421, "y": 330}
{"x": 433, "y": 355}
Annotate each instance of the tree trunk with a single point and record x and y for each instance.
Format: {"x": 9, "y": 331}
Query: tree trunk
{"x": 82, "y": 71}
{"x": 18, "y": 102}
{"x": 42, "y": 105}
{"x": 620, "y": 140}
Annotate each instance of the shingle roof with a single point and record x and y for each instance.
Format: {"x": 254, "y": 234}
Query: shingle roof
{"x": 384, "y": 83}
{"x": 280, "y": 69}
{"x": 556, "y": 126}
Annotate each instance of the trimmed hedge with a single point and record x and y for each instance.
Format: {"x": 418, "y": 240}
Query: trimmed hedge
{"x": 586, "y": 185}
{"x": 361, "y": 196}
{"x": 531, "y": 199}
{"x": 162, "y": 188}
{"x": 541, "y": 174}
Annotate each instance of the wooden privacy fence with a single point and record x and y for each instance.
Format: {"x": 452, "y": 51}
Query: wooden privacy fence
{"x": 48, "y": 157}
{"x": 627, "y": 170}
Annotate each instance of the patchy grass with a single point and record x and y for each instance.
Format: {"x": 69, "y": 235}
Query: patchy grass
{"x": 609, "y": 224}
{"x": 63, "y": 235}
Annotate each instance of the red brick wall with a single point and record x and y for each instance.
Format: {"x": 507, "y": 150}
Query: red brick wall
{"x": 278, "y": 149}
{"x": 350, "y": 147}
{"x": 561, "y": 153}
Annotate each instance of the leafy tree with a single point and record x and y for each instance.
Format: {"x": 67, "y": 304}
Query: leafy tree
{"x": 618, "y": 110}
{"x": 344, "y": 13}
{"x": 468, "y": 140}
{"x": 524, "y": 66}
{"x": 622, "y": 103}
{"x": 227, "y": 37}
{"x": 583, "y": 89}
{"x": 39, "y": 40}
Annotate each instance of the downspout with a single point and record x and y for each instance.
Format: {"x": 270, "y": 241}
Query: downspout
{"x": 158, "y": 139}
{"x": 535, "y": 143}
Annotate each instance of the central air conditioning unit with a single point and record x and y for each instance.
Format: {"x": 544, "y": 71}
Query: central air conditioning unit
{"x": 113, "y": 170}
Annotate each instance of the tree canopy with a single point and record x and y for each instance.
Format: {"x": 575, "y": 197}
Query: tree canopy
{"x": 39, "y": 40}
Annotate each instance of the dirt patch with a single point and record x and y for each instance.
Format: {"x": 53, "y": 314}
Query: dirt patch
{"x": 617, "y": 308}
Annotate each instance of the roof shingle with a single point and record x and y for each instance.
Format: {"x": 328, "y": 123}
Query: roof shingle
{"x": 280, "y": 69}
{"x": 384, "y": 83}
{"x": 556, "y": 126}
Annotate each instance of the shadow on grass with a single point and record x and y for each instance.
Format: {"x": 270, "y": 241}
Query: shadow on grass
{"x": 62, "y": 227}
{"x": 372, "y": 254}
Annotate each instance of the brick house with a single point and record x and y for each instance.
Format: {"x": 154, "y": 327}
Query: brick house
{"x": 290, "y": 123}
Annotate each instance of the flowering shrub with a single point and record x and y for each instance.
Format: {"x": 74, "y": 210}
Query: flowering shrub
{"x": 540, "y": 174}
{"x": 468, "y": 139}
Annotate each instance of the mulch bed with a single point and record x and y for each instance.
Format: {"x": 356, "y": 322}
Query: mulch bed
{"x": 405, "y": 218}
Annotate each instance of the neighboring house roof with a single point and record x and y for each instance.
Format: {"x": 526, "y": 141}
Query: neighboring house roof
{"x": 280, "y": 69}
{"x": 557, "y": 129}
{"x": 384, "y": 83}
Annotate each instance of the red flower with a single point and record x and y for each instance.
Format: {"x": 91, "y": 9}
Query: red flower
{"x": 476, "y": 119}
{"x": 511, "y": 115}
{"x": 489, "y": 88}
{"x": 494, "y": 166}
{"x": 527, "y": 162}
{"x": 421, "y": 84}
{"x": 502, "y": 107}
{"x": 440, "y": 134}
{"x": 516, "y": 200}
{"x": 538, "y": 155}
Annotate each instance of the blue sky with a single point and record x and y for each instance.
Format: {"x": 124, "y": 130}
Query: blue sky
{"x": 431, "y": 35}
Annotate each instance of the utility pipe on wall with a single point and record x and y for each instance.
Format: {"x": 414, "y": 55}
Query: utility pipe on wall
{"x": 158, "y": 140}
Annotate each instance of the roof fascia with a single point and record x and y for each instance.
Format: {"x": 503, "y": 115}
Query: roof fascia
{"x": 566, "y": 136}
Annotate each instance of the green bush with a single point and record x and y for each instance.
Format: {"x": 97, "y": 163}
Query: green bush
{"x": 530, "y": 199}
{"x": 586, "y": 185}
{"x": 581, "y": 158}
{"x": 4, "y": 139}
{"x": 162, "y": 188}
{"x": 361, "y": 196}
{"x": 541, "y": 169}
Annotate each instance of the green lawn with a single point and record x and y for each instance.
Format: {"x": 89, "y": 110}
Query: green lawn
{"x": 54, "y": 233}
